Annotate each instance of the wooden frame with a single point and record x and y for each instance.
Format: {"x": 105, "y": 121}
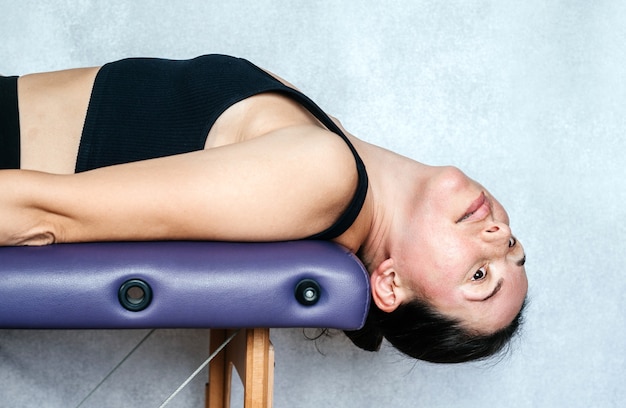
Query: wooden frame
{"x": 252, "y": 355}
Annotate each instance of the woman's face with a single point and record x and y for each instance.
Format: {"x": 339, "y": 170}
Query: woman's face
{"x": 461, "y": 255}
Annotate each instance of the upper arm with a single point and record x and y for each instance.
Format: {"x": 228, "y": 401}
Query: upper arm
{"x": 285, "y": 185}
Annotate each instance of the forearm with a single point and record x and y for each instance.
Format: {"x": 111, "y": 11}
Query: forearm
{"x": 38, "y": 208}
{"x": 24, "y": 217}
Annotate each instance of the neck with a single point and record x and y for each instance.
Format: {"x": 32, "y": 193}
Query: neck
{"x": 394, "y": 184}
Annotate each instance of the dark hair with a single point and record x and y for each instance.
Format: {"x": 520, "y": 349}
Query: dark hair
{"x": 418, "y": 330}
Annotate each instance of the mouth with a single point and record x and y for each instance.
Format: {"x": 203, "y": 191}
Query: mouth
{"x": 478, "y": 210}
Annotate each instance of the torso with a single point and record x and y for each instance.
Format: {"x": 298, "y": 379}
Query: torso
{"x": 52, "y": 110}
{"x": 53, "y": 107}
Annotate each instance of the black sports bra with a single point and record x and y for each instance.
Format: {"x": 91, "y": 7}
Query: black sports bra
{"x": 142, "y": 108}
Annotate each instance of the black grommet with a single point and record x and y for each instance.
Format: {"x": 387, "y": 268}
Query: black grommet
{"x": 308, "y": 292}
{"x": 135, "y": 295}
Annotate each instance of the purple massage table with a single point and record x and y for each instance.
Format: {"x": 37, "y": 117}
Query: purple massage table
{"x": 214, "y": 285}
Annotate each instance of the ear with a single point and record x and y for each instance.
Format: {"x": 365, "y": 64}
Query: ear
{"x": 386, "y": 291}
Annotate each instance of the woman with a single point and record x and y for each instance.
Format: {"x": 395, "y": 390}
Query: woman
{"x": 215, "y": 148}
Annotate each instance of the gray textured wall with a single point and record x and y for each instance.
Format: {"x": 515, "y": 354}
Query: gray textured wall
{"x": 527, "y": 97}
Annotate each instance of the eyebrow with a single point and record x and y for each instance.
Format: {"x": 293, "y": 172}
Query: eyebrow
{"x": 495, "y": 290}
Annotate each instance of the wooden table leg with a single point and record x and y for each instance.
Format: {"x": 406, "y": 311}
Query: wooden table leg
{"x": 252, "y": 354}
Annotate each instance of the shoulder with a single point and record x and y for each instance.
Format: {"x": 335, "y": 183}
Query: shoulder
{"x": 290, "y": 183}
{"x": 322, "y": 151}
{"x": 333, "y": 172}
{"x": 317, "y": 169}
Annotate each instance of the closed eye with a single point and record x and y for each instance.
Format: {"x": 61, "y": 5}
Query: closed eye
{"x": 513, "y": 243}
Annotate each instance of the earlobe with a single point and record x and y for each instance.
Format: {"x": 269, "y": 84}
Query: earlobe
{"x": 385, "y": 292}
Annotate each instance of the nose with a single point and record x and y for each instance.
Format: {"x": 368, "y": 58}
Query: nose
{"x": 496, "y": 232}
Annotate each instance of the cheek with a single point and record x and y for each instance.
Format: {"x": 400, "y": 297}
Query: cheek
{"x": 434, "y": 255}
{"x": 437, "y": 267}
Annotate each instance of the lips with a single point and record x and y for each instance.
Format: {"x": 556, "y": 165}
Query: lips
{"x": 478, "y": 210}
